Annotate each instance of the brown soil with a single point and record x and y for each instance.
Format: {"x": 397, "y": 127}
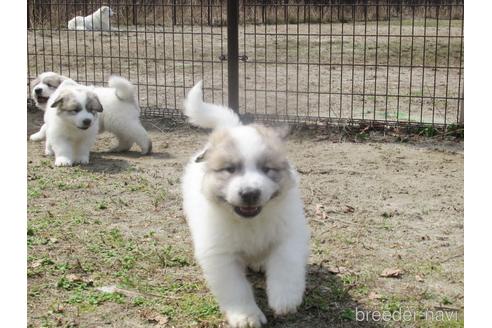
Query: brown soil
{"x": 118, "y": 221}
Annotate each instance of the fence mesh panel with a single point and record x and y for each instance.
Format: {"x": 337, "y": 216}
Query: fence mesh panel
{"x": 396, "y": 62}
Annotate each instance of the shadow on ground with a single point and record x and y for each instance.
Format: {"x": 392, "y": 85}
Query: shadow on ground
{"x": 100, "y": 163}
{"x": 137, "y": 154}
{"x": 326, "y": 302}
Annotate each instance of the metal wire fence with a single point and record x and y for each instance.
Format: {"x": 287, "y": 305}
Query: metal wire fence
{"x": 395, "y": 62}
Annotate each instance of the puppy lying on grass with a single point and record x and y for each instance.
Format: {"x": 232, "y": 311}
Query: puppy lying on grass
{"x": 244, "y": 209}
{"x": 98, "y": 20}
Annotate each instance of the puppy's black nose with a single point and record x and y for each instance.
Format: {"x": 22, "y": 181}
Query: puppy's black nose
{"x": 250, "y": 196}
{"x": 38, "y": 91}
{"x": 87, "y": 122}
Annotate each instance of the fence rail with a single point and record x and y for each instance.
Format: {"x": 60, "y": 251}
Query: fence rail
{"x": 319, "y": 61}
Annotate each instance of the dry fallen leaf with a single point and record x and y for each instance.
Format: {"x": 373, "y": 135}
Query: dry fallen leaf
{"x": 76, "y": 278}
{"x": 153, "y": 317}
{"x": 374, "y": 296}
{"x": 59, "y": 309}
{"x": 320, "y": 211}
{"x": 391, "y": 273}
{"x": 36, "y": 264}
{"x": 348, "y": 209}
{"x": 419, "y": 278}
{"x": 115, "y": 289}
{"x": 339, "y": 270}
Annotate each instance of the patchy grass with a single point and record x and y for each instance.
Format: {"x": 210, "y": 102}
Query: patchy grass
{"x": 118, "y": 223}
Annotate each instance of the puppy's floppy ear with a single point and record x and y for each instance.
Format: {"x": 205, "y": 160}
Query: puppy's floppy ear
{"x": 68, "y": 81}
{"x": 201, "y": 157}
{"x": 93, "y": 103}
{"x": 59, "y": 80}
{"x": 59, "y": 99}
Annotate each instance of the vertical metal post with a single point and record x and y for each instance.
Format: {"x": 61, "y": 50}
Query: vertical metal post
{"x": 233, "y": 53}
{"x": 174, "y": 12}
{"x": 462, "y": 114}
{"x": 134, "y": 12}
{"x": 28, "y": 14}
{"x": 263, "y": 11}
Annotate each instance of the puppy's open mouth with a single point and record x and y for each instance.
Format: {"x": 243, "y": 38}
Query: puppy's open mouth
{"x": 247, "y": 211}
{"x": 42, "y": 100}
{"x": 83, "y": 127}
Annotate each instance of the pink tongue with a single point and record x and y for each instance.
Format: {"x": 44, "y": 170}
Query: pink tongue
{"x": 248, "y": 209}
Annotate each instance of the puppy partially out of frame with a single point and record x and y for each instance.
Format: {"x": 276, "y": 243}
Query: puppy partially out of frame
{"x": 98, "y": 20}
{"x": 244, "y": 209}
{"x": 120, "y": 116}
{"x": 44, "y": 86}
{"x": 71, "y": 119}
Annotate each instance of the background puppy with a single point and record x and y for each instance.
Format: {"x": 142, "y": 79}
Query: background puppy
{"x": 244, "y": 209}
{"x": 71, "y": 120}
{"x": 44, "y": 86}
{"x": 98, "y": 20}
{"x": 121, "y": 115}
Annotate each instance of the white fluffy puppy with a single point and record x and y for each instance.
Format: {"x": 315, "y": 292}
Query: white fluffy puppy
{"x": 42, "y": 88}
{"x": 244, "y": 209}
{"x": 120, "y": 116}
{"x": 71, "y": 119}
{"x": 98, "y": 20}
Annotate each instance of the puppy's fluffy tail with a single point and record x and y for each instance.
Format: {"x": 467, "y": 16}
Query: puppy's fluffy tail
{"x": 207, "y": 115}
{"x": 125, "y": 91}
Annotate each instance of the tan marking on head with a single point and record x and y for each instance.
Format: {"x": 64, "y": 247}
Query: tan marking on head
{"x": 222, "y": 150}
{"x": 275, "y": 155}
{"x": 93, "y": 105}
{"x": 65, "y": 101}
{"x": 221, "y": 154}
{"x": 53, "y": 80}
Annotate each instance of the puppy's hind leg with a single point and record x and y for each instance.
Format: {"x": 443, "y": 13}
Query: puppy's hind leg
{"x": 40, "y": 135}
{"x": 138, "y": 134}
{"x": 48, "y": 150}
{"x": 82, "y": 153}
{"x": 124, "y": 144}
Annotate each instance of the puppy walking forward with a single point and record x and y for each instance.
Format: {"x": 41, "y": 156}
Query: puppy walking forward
{"x": 71, "y": 118}
{"x": 121, "y": 115}
{"x": 244, "y": 209}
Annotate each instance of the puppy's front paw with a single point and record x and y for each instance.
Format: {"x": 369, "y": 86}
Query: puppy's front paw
{"x": 36, "y": 137}
{"x": 63, "y": 161}
{"x": 284, "y": 304}
{"x": 252, "y": 319}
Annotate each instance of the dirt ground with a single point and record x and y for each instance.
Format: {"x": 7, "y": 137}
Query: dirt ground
{"x": 379, "y": 70}
{"x": 108, "y": 244}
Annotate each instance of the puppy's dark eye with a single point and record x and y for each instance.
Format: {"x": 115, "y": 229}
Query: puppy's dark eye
{"x": 50, "y": 86}
{"x": 229, "y": 169}
{"x": 76, "y": 110}
{"x": 267, "y": 169}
